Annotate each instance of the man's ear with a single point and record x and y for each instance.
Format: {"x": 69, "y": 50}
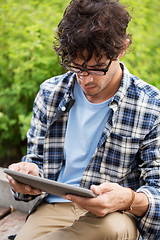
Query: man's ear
{"x": 124, "y": 51}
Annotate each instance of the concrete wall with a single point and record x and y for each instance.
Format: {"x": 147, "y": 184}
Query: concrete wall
{"x": 7, "y": 199}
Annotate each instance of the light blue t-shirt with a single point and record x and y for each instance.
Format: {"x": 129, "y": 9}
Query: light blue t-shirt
{"x": 86, "y": 122}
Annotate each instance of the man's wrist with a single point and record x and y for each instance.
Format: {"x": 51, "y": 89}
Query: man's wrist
{"x": 129, "y": 206}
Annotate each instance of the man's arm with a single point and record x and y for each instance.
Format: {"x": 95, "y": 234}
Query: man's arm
{"x": 32, "y": 163}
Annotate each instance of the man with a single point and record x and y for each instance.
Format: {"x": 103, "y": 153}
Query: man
{"x": 98, "y": 127}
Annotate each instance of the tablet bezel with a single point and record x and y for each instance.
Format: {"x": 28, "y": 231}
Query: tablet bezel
{"x": 49, "y": 186}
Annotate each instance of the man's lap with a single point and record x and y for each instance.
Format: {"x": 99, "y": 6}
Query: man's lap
{"x": 67, "y": 220}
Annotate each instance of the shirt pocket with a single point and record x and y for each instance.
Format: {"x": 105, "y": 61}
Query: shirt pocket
{"x": 120, "y": 159}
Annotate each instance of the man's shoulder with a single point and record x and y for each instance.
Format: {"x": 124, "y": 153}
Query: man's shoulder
{"x": 53, "y": 89}
{"x": 56, "y": 85}
{"x": 138, "y": 89}
{"x": 51, "y": 83}
{"x": 145, "y": 90}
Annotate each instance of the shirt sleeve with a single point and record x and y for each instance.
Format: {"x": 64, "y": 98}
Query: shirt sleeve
{"x": 150, "y": 174}
{"x": 35, "y": 138}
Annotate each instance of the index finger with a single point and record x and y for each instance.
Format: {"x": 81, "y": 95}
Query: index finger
{"x": 15, "y": 167}
{"x": 79, "y": 200}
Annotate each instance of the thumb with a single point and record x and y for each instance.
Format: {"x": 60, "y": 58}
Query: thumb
{"x": 96, "y": 189}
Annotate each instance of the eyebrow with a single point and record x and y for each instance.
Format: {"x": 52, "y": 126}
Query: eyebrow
{"x": 90, "y": 66}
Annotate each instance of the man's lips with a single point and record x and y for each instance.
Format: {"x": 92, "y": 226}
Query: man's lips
{"x": 88, "y": 88}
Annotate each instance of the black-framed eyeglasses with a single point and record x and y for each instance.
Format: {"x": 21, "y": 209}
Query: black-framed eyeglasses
{"x": 89, "y": 71}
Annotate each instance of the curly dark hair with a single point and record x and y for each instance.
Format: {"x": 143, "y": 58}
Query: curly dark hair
{"x": 96, "y": 27}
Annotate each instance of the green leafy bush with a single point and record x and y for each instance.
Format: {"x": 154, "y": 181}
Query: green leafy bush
{"x": 144, "y": 59}
{"x": 27, "y": 59}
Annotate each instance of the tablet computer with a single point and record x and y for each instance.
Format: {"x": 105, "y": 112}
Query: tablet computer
{"x": 49, "y": 186}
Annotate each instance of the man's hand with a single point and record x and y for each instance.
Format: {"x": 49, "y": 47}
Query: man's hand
{"x": 28, "y": 168}
{"x": 110, "y": 198}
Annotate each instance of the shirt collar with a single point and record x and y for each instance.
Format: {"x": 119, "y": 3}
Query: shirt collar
{"x": 68, "y": 96}
{"x": 125, "y": 83}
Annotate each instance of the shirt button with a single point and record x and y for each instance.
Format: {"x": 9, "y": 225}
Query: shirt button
{"x": 63, "y": 109}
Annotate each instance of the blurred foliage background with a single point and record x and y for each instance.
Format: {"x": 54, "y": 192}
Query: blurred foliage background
{"x": 26, "y": 59}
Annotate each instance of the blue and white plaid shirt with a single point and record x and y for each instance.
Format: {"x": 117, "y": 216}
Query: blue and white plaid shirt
{"x": 128, "y": 152}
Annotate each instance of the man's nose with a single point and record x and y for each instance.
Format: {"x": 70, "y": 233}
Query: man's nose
{"x": 84, "y": 79}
